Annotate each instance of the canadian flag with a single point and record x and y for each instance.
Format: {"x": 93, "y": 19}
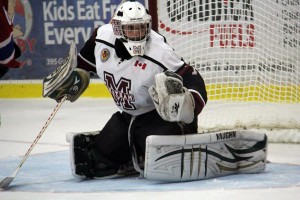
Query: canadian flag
{"x": 139, "y": 64}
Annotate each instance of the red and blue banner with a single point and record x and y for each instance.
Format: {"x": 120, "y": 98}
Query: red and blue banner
{"x": 43, "y": 29}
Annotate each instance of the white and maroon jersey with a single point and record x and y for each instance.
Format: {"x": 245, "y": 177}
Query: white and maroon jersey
{"x": 7, "y": 48}
{"x": 129, "y": 80}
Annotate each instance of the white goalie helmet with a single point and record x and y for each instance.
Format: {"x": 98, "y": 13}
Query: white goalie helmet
{"x": 132, "y": 25}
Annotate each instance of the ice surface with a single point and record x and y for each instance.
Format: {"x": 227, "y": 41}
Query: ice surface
{"x": 46, "y": 173}
{"x": 50, "y": 172}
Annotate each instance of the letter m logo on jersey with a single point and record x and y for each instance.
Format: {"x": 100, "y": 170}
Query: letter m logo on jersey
{"x": 120, "y": 91}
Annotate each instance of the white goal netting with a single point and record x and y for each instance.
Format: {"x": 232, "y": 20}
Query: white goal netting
{"x": 248, "y": 52}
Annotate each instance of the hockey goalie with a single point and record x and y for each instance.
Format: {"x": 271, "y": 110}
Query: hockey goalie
{"x": 159, "y": 97}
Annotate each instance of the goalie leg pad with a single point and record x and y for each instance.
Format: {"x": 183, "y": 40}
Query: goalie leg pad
{"x": 85, "y": 161}
{"x": 202, "y": 156}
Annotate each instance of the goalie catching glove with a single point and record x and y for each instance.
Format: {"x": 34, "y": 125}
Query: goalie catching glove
{"x": 66, "y": 80}
{"x": 172, "y": 101}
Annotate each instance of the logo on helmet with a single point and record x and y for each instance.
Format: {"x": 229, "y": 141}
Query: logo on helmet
{"x": 137, "y": 49}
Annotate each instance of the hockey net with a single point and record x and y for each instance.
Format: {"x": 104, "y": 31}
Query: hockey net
{"x": 248, "y": 52}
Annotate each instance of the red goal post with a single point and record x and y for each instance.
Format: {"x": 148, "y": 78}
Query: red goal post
{"x": 248, "y": 52}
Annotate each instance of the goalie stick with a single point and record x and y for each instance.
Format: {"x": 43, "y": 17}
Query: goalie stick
{"x": 50, "y": 84}
{"x": 6, "y": 181}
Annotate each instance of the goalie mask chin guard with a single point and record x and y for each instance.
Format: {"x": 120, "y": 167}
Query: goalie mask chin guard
{"x": 132, "y": 25}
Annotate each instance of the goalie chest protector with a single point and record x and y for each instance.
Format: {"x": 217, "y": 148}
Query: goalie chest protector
{"x": 129, "y": 80}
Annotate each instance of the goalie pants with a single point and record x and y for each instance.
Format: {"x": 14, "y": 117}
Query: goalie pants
{"x": 112, "y": 142}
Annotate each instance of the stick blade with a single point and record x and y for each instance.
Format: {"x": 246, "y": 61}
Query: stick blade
{"x": 5, "y": 182}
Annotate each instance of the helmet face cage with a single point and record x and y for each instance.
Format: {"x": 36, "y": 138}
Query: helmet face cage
{"x": 133, "y": 34}
{"x": 136, "y": 31}
{"x": 133, "y": 31}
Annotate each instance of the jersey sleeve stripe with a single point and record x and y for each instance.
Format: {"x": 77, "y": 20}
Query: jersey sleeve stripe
{"x": 7, "y": 41}
{"x": 155, "y": 61}
{"x": 85, "y": 64}
{"x": 164, "y": 38}
{"x": 105, "y": 42}
{"x": 184, "y": 69}
{"x": 199, "y": 101}
{"x": 88, "y": 62}
{"x": 6, "y": 60}
{"x": 7, "y": 52}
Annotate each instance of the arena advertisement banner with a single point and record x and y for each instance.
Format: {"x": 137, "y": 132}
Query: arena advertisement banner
{"x": 43, "y": 29}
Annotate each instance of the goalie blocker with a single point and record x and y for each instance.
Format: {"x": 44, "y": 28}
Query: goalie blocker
{"x": 186, "y": 157}
{"x": 66, "y": 80}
